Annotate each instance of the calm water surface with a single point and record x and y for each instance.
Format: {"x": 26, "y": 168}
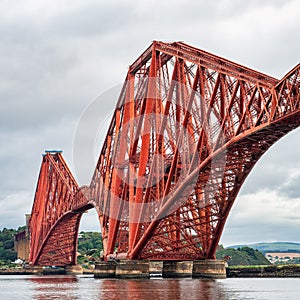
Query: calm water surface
{"x": 86, "y": 287}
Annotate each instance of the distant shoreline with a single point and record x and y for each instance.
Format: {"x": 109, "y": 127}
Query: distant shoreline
{"x": 273, "y": 271}
{"x": 269, "y": 271}
{"x": 37, "y": 271}
{"x": 21, "y": 271}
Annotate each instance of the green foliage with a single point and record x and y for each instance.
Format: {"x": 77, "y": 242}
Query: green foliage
{"x": 243, "y": 256}
{"x": 7, "y": 253}
{"x": 88, "y": 241}
{"x": 21, "y": 228}
{"x": 89, "y": 247}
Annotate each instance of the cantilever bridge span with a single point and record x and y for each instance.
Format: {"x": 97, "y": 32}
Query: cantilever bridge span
{"x": 187, "y": 129}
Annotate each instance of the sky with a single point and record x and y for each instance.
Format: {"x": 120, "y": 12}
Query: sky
{"x": 58, "y": 57}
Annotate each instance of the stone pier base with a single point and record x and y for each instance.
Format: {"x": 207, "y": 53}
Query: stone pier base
{"x": 34, "y": 270}
{"x": 168, "y": 269}
{"x": 132, "y": 269}
{"x": 74, "y": 269}
{"x": 105, "y": 269}
{"x": 173, "y": 269}
{"x": 209, "y": 268}
{"x": 155, "y": 268}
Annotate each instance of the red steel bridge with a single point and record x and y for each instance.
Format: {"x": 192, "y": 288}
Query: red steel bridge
{"x": 187, "y": 129}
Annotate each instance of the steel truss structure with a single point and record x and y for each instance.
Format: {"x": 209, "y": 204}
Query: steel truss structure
{"x": 187, "y": 129}
{"x": 57, "y": 209}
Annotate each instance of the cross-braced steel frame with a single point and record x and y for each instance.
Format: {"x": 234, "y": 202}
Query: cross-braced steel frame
{"x": 188, "y": 128}
{"x": 57, "y": 209}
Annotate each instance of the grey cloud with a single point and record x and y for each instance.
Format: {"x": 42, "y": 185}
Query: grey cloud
{"x": 291, "y": 187}
{"x": 90, "y": 133}
{"x": 90, "y": 221}
{"x": 93, "y": 19}
{"x": 254, "y": 232}
{"x": 14, "y": 207}
{"x": 261, "y": 36}
{"x": 273, "y": 169}
{"x": 57, "y": 56}
{"x": 265, "y": 215}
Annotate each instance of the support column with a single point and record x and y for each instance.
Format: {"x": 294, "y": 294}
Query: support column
{"x": 105, "y": 269}
{"x": 132, "y": 269}
{"x": 74, "y": 269}
{"x": 155, "y": 268}
{"x": 177, "y": 269}
{"x": 209, "y": 268}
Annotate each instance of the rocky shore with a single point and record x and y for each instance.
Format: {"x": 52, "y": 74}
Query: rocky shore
{"x": 264, "y": 271}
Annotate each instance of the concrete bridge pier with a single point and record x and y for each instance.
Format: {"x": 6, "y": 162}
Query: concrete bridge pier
{"x": 74, "y": 269}
{"x": 155, "y": 268}
{"x": 123, "y": 269}
{"x": 132, "y": 269}
{"x": 105, "y": 269}
{"x": 172, "y": 269}
{"x": 209, "y": 268}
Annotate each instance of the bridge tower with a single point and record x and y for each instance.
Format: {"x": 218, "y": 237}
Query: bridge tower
{"x": 187, "y": 129}
{"x": 57, "y": 209}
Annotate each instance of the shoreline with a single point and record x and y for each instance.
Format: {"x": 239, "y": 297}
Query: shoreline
{"x": 267, "y": 271}
{"x": 38, "y": 271}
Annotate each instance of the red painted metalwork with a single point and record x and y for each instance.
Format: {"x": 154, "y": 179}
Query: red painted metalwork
{"x": 58, "y": 206}
{"x": 188, "y": 128}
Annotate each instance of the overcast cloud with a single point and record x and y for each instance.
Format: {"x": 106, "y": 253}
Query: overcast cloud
{"x": 56, "y": 57}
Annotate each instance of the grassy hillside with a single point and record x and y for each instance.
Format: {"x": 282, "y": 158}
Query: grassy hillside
{"x": 90, "y": 247}
{"x": 272, "y": 247}
{"x": 243, "y": 256}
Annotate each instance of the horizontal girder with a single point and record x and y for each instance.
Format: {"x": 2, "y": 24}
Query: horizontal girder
{"x": 188, "y": 128}
{"x": 56, "y": 213}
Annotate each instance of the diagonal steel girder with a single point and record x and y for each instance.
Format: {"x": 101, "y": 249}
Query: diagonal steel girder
{"x": 188, "y": 128}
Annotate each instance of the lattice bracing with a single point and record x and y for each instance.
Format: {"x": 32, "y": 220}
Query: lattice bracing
{"x": 188, "y": 128}
{"x": 56, "y": 213}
